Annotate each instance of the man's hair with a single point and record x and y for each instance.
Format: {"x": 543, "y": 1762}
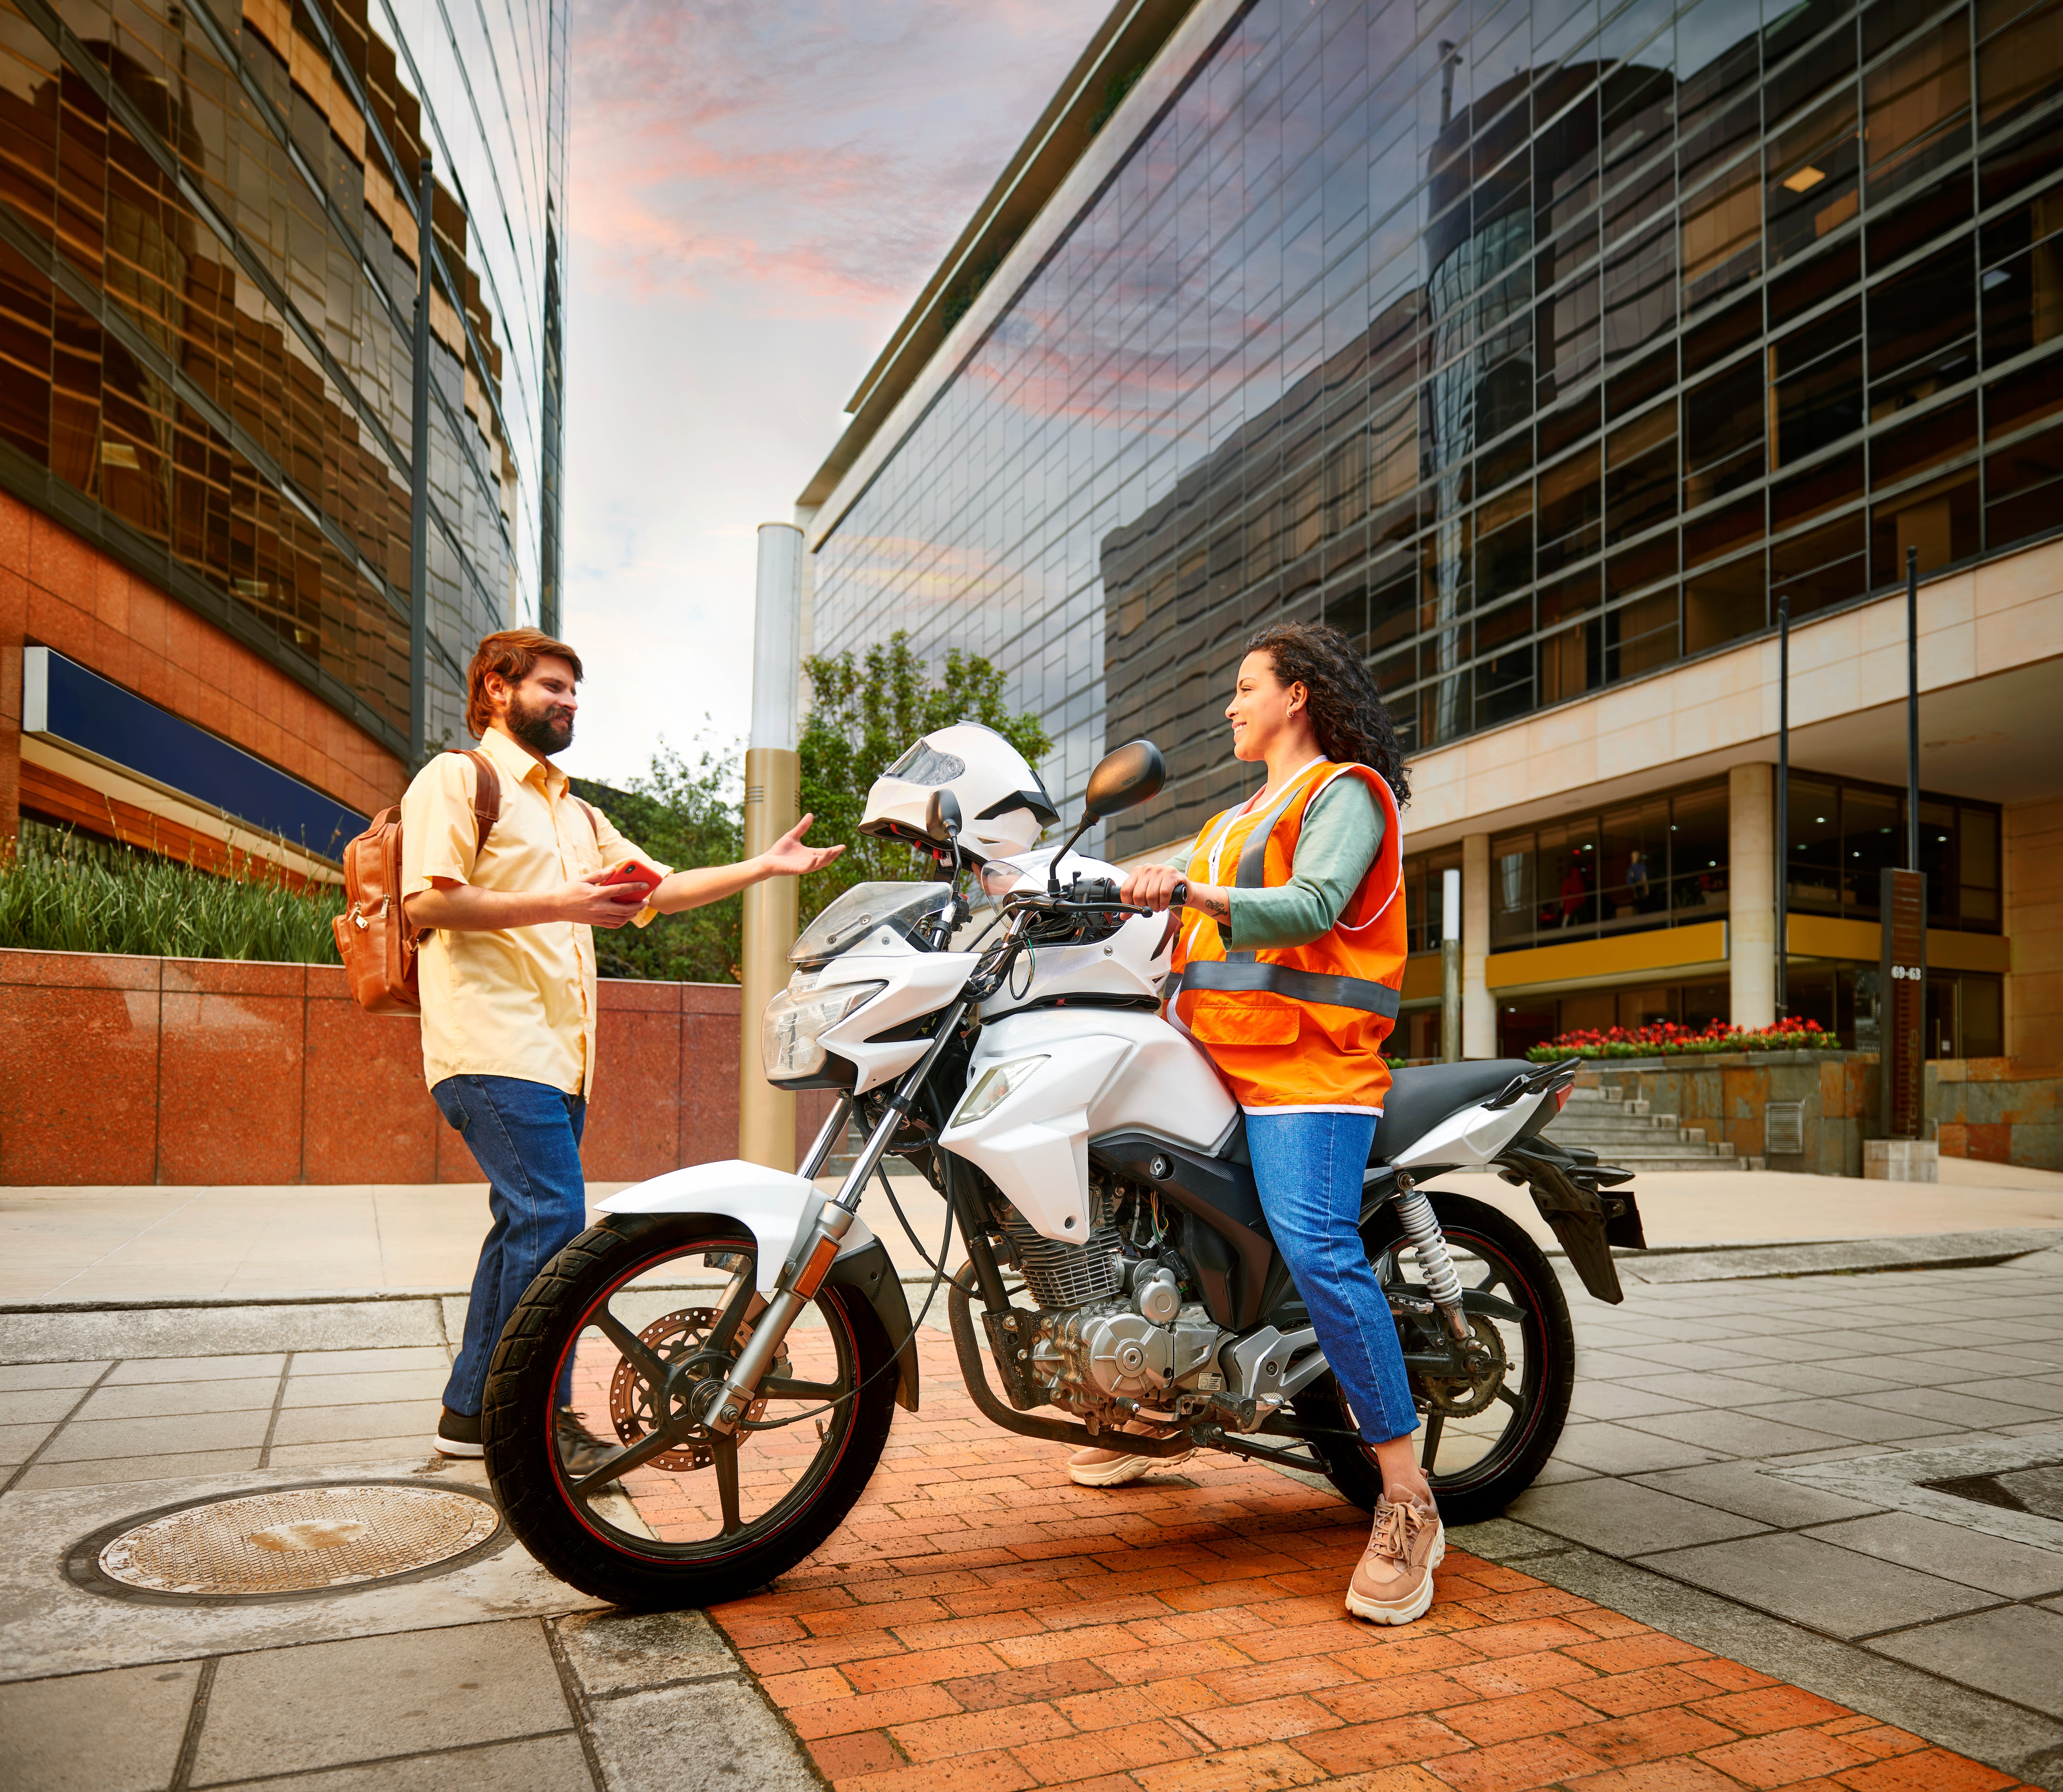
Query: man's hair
{"x": 513, "y": 653}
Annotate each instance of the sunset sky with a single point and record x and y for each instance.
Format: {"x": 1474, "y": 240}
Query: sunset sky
{"x": 757, "y": 193}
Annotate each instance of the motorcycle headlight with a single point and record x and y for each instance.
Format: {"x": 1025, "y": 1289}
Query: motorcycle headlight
{"x": 987, "y": 1096}
{"x": 790, "y": 1029}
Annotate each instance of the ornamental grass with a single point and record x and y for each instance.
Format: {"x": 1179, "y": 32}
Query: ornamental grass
{"x": 1666, "y": 1039}
{"x": 61, "y": 894}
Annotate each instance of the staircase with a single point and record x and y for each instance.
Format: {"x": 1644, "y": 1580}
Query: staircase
{"x": 1625, "y": 1134}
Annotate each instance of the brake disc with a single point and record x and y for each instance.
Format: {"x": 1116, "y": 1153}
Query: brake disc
{"x": 1462, "y": 1397}
{"x": 676, "y": 1338}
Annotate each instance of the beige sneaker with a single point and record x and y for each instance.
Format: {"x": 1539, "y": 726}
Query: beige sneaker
{"x": 1393, "y": 1583}
{"x": 1102, "y": 1467}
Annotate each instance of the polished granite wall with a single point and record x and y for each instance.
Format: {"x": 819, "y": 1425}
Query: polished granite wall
{"x": 126, "y": 1070}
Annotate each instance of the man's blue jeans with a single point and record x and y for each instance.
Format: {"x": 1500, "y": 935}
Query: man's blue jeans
{"x": 1308, "y": 1170}
{"x": 526, "y": 1136}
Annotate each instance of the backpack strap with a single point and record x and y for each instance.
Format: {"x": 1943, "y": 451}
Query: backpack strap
{"x": 588, "y": 810}
{"x": 486, "y": 795}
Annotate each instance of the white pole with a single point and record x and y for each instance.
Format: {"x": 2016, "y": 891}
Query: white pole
{"x": 773, "y": 777}
{"x": 1451, "y": 966}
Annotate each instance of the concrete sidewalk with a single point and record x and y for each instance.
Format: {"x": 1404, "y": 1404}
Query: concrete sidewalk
{"x": 149, "y": 1244}
{"x": 1749, "y": 1481}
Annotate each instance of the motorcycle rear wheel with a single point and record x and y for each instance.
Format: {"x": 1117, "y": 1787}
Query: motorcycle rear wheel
{"x": 1492, "y": 1457}
{"x": 695, "y": 1519}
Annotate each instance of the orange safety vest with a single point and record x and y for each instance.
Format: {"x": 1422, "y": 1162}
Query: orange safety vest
{"x": 1297, "y": 1027}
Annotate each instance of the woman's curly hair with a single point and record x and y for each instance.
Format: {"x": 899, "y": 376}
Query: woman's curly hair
{"x": 1347, "y": 712}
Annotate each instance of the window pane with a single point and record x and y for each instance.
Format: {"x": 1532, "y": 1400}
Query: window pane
{"x": 1698, "y": 854}
{"x": 1916, "y": 105}
{"x": 1724, "y": 602}
{"x": 1939, "y": 519}
{"x": 1634, "y": 862}
{"x": 1511, "y": 889}
{"x": 1872, "y": 837}
{"x": 1815, "y": 847}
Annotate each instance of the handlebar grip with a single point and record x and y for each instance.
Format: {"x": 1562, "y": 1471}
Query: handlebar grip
{"x": 1178, "y": 896}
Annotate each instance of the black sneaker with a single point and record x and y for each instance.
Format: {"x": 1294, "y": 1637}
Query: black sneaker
{"x": 581, "y": 1451}
{"x": 458, "y": 1434}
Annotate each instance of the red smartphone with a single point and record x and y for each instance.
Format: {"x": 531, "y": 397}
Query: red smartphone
{"x": 638, "y": 881}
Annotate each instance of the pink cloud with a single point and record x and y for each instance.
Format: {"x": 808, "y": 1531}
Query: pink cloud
{"x": 818, "y": 157}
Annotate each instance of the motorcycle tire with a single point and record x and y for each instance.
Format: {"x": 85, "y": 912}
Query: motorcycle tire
{"x": 1518, "y": 1272}
{"x": 605, "y": 1558}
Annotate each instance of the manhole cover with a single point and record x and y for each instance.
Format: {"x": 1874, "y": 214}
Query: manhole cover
{"x": 292, "y": 1540}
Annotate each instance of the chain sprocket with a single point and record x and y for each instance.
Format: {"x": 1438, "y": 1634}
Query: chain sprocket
{"x": 677, "y": 1337}
{"x": 1460, "y": 1397}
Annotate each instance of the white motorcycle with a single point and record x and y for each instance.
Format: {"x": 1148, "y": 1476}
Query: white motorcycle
{"x": 745, "y": 1337}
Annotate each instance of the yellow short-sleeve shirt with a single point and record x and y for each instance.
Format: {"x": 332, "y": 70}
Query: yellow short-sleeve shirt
{"x": 514, "y": 1000}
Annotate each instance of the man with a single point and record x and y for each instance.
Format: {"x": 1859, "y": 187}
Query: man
{"x": 508, "y": 978}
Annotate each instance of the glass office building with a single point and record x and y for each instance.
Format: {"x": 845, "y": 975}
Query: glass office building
{"x": 1539, "y": 346}
{"x": 208, "y": 244}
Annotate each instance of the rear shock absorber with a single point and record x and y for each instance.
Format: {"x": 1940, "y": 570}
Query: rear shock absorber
{"x": 1436, "y": 1263}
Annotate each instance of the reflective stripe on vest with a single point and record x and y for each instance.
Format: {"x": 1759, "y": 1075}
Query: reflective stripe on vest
{"x": 1242, "y": 976}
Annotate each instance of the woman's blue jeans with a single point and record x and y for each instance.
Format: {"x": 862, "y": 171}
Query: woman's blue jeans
{"x": 1309, "y": 1168}
{"x": 526, "y": 1137}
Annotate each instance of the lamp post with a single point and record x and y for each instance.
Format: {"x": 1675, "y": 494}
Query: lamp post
{"x": 772, "y": 789}
{"x": 1783, "y": 965}
{"x": 419, "y": 477}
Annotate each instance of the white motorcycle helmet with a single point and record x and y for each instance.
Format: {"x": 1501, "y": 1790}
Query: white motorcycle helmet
{"x": 1003, "y": 807}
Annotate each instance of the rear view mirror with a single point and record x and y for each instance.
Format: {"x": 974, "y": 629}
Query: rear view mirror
{"x": 941, "y": 815}
{"x": 1123, "y": 780}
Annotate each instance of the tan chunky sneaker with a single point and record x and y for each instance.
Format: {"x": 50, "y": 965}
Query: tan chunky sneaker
{"x": 1393, "y": 1583}
{"x": 1101, "y": 1467}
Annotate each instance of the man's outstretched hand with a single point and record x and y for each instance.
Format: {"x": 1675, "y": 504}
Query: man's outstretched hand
{"x": 788, "y": 857}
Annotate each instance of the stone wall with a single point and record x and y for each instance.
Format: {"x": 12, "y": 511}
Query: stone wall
{"x": 1999, "y": 1110}
{"x": 1727, "y": 1094}
{"x": 118, "y": 1070}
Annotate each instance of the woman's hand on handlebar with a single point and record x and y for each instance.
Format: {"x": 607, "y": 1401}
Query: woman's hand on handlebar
{"x": 1160, "y": 886}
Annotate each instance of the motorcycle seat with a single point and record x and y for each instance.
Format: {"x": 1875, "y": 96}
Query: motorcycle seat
{"x": 1421, "y": 1096}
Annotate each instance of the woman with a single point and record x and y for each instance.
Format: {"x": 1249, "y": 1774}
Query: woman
{"x": 1306, "y": 880}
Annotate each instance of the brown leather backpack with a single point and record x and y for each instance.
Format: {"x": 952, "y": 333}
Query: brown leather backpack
{"x": 373, "y": 937}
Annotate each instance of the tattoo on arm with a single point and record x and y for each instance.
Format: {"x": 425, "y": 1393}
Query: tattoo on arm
{"x": 1215, "y": 905}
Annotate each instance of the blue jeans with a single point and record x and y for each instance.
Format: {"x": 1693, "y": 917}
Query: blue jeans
{"x": 1308, "y": 1170}
{"x": 526, "y": 1136}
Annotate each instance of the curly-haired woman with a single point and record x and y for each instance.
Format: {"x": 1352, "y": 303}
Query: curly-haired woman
{"x": 1291, "y": 955}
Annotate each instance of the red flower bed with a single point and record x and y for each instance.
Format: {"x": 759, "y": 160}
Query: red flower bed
{"x": 1666, "y": 1039}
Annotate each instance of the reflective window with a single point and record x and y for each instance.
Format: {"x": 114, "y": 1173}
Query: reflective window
{"x": 1536, "y": 354}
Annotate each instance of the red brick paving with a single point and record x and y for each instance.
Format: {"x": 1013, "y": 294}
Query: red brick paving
{"x": 979, "y": 1624}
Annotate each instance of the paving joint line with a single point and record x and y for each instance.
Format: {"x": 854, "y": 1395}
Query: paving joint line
{"x": 279, "y": 1402}
{"x": 577, "y": 1703}
{"x": 35, "y": 1455}
{"x": 183, "y": 1769}
{"x": 267, "y": 1778}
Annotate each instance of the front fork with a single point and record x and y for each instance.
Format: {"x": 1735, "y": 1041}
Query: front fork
{"x": 808, "y": 1264}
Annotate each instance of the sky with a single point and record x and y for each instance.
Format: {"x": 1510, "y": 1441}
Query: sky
{"x": 757, "y": 191}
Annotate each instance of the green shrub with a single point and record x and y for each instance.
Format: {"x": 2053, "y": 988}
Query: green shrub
{"x": 58, "y": 895}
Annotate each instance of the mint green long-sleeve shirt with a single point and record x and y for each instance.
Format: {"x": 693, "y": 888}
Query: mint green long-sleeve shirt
{"x": 1341, "y": 834}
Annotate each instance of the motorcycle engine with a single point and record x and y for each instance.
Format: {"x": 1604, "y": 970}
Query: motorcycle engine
{"x": 1118, "y": 1327}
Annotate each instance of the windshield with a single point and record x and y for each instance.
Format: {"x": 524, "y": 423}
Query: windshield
{"x": 900, "y": 907}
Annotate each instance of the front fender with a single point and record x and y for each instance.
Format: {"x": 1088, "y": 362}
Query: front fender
{"x": 770, "y": 1203}
{"x": 777, "y": 1207}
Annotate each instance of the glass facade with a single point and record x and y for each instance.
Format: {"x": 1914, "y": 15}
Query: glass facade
{"x": 207, "y": 285}
{"x": 1844, "y": 833}
{"x": 1537, "y": 344}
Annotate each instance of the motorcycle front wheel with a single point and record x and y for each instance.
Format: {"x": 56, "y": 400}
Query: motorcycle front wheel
{"x": 592, "y": 1446}
{"x": 1480, "y": 1447}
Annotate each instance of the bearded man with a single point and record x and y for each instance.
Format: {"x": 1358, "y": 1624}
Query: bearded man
{"x": 507, "y": 977}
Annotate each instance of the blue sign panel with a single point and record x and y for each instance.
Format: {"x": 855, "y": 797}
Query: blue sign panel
{"x": 64, "y": 699}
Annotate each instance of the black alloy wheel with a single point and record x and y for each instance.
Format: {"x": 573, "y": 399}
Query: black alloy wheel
{"x": 643, "y": 1315}
{"x": 1480, "y": 1446}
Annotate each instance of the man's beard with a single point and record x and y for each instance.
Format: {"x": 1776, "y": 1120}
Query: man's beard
{"x": 548, "y": 730}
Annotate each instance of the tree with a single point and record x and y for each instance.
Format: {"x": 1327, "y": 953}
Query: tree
{"x": 863, "y": 712}
{"x": 684, "y": 813}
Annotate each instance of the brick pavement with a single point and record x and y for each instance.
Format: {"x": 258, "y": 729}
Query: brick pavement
{"x": 980, "y": 1621}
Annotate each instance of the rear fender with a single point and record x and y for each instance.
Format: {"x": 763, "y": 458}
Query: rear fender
{"x": 778, "y": 1208}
